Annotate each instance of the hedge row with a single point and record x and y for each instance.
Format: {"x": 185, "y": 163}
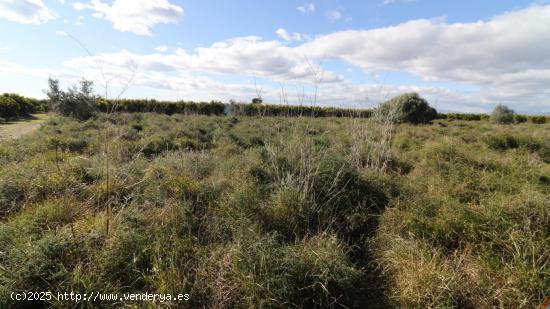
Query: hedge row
{"x": 294, "y": 111}
{"x": 477, "y": 117}
{"x": 161, "y": 107}
{"x": 218, "y": 108}
{"x": 470, "y": 117}
{"x": 15, "y": 106}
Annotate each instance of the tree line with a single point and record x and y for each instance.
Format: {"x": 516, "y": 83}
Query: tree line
{"x": 80, "y": 102}
{"x": 15, "y": 106}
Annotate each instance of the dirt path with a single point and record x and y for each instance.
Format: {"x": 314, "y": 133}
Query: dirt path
{"x": 19, "y": 128}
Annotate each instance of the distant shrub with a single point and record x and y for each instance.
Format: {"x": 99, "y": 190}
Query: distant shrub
{"x": 521, "y": 118}
{"x": 77, "y": 102}
{"x": 503, "y": 115}
{"x": 409, "y": 107}
{"x": 458, "y": 116}
{"x": 538, "y": 119}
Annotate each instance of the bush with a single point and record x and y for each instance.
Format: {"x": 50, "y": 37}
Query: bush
{"x": 409, "y": 107}
{"x": 468, "y": 117}
{"x": 538, "y": 119}
{"x": 521, "y": 118}
{"x": 79, "y": 103}
{"x": 13, "y": 106}
{"x": 503, "y": 115}
{"x": 8, "y": 107}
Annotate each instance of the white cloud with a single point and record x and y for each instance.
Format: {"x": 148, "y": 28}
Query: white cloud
{"x": 390, "y": 2}
{"x": 334, "y": 15}
{"x": 79, "y": 6}
{"x": 26, "y": 11}
{"x": 283, "y": 34}
{"x": 506, "y": 55}
{"x": 135, "y": 16}
{"x": 306, "y": 8}
{"x": 162, "y": 48}
{"x": 287, "y": 36}
{"x": 80, "y": 20}
{"x": 185, "y": 85}
{"x": 246, "y": 56}
{"x": 503, "y": 59}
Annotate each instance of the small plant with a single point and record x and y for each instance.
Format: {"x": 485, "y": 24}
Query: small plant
{"x": 503, "y": 115}
{"x": 409, "y": 107}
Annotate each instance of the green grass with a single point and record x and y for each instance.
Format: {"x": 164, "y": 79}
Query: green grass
{"x": 250, "y": 212}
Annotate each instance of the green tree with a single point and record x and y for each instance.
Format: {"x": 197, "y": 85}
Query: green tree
{"x": 78, "y": 101}
{"x": 503, "y": 115}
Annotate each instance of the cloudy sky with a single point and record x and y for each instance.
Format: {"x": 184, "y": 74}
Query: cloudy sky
{"x": 464, "y": 56}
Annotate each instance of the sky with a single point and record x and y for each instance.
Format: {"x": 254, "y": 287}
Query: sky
{"x": 462, "y": 56}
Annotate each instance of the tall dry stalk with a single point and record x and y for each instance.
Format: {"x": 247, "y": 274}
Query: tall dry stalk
{"x": 370, "y": 139}
{"x": 108, "y": 136}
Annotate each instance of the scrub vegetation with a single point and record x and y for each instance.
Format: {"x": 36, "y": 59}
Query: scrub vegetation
{"x": 390, "y": 208}
{"x": 278, "y": 212}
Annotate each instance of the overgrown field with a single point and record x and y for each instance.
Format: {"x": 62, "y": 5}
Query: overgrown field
{"x": 271, "y": 212}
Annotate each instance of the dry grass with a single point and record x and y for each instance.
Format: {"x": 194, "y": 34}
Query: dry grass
{"x": 16, "y": 129}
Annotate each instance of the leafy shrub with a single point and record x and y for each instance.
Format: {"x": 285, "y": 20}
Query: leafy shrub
{"x": 503, "y": 115}
{"x": 521, "y": 118}
{"x": 538, "y": 119}
{"x": 457, "y": 116}
{"x": 14, "y": 105}
{"x": 409, "y": 107}
{"x": 79, "y": 103}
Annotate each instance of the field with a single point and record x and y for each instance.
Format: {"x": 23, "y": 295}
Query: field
{"x": 275, "y": 212}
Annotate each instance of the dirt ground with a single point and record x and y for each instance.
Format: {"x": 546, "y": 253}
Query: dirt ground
{"x": 16, "y": 129}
